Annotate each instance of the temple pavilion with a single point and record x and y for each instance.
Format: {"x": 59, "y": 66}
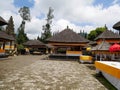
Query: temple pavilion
{"x": 104, "y": 41}
{"x": 5, "y": 38}
{"x": 67, "y": 41}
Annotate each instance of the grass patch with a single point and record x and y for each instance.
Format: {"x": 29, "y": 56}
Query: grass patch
{"x": 104, "y": 81}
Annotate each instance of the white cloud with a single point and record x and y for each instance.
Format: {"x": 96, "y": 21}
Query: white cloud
{"x": 34, "y": 28}
{"x": 66, "y": 12}
{"x": 81, "y": 11}
{"x": 62, "y": 24}
{"x": 6, "y": 6}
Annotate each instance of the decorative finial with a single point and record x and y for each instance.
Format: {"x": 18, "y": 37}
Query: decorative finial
{"x": 67, "y": 27}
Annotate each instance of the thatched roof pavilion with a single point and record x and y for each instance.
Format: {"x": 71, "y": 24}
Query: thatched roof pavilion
{"x": 67, "y": 40}
{"x": 2, "y": 21}
{"x": 101, "y": 51}
{"x": 104, "y": 41}
{"x": 38, "y": 46}
{"x": 4, "y": 37}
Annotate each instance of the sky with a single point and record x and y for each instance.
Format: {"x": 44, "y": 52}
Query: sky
{"x": 79, "y": 15}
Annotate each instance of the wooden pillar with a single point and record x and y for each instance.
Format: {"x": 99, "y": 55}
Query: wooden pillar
{"x": 10, "y": 45}
{"x": 51, "y": 50}
{"x": 46, "y": 50}
{"x": 3, "y": 45}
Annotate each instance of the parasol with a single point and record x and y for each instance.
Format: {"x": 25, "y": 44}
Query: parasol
{"x": 115, "y": 47}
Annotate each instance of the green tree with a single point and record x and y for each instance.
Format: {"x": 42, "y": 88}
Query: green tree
{"x": 94, "y": 33}
{"x": 21, "y": 38}
{"x": 47, "y": 28}
{"x": 83, "y": 34}
{"x": 25, "y": 14}
{"x": 21, "y": 35}
{"x": 38, "y": 38}
{"x": 55, "y": 33}
{"x": 10, "y": 27}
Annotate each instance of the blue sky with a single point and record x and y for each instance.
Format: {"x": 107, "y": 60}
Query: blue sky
{"x": 77, "y": 14}
{"x": 21, "y": 3}
{"x": 105, "y": 3}
{"x": 30, "y": 3}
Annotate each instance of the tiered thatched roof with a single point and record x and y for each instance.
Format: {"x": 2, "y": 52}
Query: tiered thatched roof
{"x": 68, "y": 36}
{"x": 34, "y": 43}
{"x": 37, "y": 43}
{"x": 104, "y": 46}
{"x": 107, "y": 34}
{"x": 5, "y": 37}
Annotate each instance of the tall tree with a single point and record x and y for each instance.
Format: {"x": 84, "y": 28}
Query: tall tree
{"x": 10, "y": 27}
{"x": 94, "y": 33}
{"x": 21, "y": 35}
{"x": 25, "y": 14}
{"x": 47, "y": 28}
{"x": 55, "y": 33}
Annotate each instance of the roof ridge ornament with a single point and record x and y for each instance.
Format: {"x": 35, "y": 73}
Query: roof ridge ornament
{"x": 67, "y": 27}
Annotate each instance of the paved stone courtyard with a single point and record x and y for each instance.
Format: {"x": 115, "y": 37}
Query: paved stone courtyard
{"x": 33, "y": 73}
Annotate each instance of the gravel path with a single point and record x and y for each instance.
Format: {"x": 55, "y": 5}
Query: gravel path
{"x": 33, "y": 73}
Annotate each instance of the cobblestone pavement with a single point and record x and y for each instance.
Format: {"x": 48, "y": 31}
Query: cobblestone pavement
{"x": 33, "y": 73}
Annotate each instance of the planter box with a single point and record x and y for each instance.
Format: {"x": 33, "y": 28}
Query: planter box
{"x": 85, "y": 58}
{"x": 110, "y": 70}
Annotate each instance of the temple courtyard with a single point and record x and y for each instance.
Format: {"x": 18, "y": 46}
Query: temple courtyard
{"x": 36, "y": 72}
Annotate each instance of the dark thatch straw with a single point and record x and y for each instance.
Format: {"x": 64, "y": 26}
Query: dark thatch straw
{"x": 67, "y": 36}
{"x": 2, "y": 21}
{"x": 107, "y": 34}
{"x": 6, "y": 37}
